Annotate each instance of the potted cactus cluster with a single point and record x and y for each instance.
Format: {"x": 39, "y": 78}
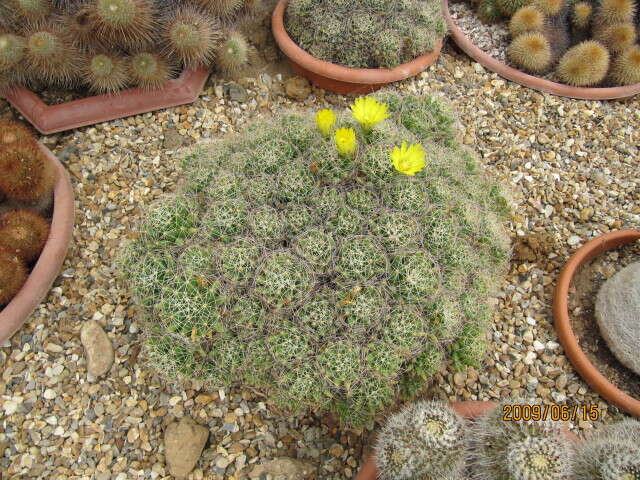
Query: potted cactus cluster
{"x": 432, "y": 441}
{"x": 106, "y": 46}
{"x": 359, "y": 46}
{"x": 334, "y": 264}
{"x": 583, "y": 49}
{"x": 36, "y": 216}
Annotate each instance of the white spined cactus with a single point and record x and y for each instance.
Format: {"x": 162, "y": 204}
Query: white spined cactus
{"x": 424, "y": 440}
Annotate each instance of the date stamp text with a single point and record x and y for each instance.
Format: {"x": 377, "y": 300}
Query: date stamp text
{"x": 557, "y": 413}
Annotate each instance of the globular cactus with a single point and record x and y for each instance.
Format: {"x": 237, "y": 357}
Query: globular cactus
{"x": 378, "y": 33}
{"x": 30, "y": 10}
{"x": 222, "y": 8}
{"x": 129, "y": 24}
{"x": 26, "y": 174}
{"x": 610, "y": 12}
{"x": 488, "y": 11}
{"x": 13, "y": 275}
{"x": 191, "y": 37}
{"x": 532, "y": 52}
{"x": 584, "y": 65}
{"x": 233, "y": 53}
{"x": 424, "y": 440}
{"x": 550, "y": 8}
{"x": 612, "y": 452}
{"x": 309, "y": 266}
{"x": 581, "y": 15}
{"x": 509, "y": 7}
{"x": 80, "y": 29}
{"x": 14, "y": 134}
{"x": 149, "y": 70}
{"x": 105, "y": 72}
{"x": 526, "y": 19}
{"x": 23, "y": 233}
{"x": 12, "y": 51}
{"x": 616, "y": 37}
{"x": 581, "y": 20}
{"x": 519, "y": 450}
{"x": 625, "y": 69}
{"x": 49, "y": 57}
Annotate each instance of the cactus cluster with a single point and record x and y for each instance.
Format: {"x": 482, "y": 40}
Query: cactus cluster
{"x": 108, "y": 45}
{"x": 428, "y": 440}
{"x": 332, "y": 281}
{"x": 365, "y": 33}
{"x": 587, "y": 43}
{"x": 26, "y": 190}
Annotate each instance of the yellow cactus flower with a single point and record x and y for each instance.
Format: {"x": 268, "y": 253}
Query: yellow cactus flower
{"x": 346, "y": 141}
{"x": 325, "y": 119}
{"x": 369, "y": 112}
{"x": 408, "y": 159}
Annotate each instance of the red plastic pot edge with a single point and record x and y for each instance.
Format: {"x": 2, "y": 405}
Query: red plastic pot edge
{"x": 469, "y": 410}
{"x": 337, "y": 78}
{"x": 568, "y": 340}
{"x": 536, "y": 83}
{"x": 51, "y": 259}
{"x": 49, "y": 119}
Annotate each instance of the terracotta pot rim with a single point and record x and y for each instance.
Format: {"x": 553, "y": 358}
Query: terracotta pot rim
{"x": 531, "y": 81}
{"x": 568, "y": 339}
{"x": 50, "y": 262}
{"x": 367, "y": 76}
{"x": 95, "y": 109}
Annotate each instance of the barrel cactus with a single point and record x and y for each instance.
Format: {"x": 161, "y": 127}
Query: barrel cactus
{"x": 333, "y": 264}
{"x": 425, "y": 440}
{"x": 365, "y": 33}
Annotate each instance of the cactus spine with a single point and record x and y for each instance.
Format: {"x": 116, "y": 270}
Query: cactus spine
{"x": 106, "y": 72}
{"x": 149, "y": 70}
{"x": 233, "y": 53}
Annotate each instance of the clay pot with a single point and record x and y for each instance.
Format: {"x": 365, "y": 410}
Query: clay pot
{"x": 101, "y": 108}
{"x": 470, "y": 410}
{"x": 336, "y": 78}
{"x": 537, "y": 83}
{"x": 581, "y": 363}
{"x": 51, "y": 259}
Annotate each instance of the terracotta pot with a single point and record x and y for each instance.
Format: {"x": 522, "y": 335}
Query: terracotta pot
{"x": 537, "y": 83}
{"x": 337, "y": 78}
{"x": 51, "y": 259}
{"x": 101, "y": 108}
{"x": 585, "y": 368}
{"x": 469, "y": 410}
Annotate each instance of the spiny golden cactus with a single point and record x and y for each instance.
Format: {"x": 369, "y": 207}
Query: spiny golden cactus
{"x": 626, "y": 67}
{"x": 584, "y": 65}
{"x": 532, "y": 52}
{"x": 616, "y": 37}
{"x": 13, "y": 275}
{"x": 23, "y": 233}
{"x": 526, "y": 19}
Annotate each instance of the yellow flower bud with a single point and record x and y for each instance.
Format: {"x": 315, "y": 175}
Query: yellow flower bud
{"x": 408, "y": 160}
{"x": 346, "y": 141}
{"x": 325, "y": 119}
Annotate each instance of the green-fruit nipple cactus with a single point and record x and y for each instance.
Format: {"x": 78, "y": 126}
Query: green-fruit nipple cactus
{"x": 221, "y": 8}
{"x": 32, "y": 9}
{"x": 313, "y": 260}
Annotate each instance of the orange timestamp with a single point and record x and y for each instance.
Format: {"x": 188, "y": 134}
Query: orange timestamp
{"x": 558, "y": 413}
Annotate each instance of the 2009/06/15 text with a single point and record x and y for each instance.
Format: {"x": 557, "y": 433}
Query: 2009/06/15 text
{"x": 560, "y": 413}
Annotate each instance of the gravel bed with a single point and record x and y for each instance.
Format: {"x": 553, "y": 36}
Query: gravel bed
{"x": 572, "y": 170}
{"x": 493, "y": 39}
